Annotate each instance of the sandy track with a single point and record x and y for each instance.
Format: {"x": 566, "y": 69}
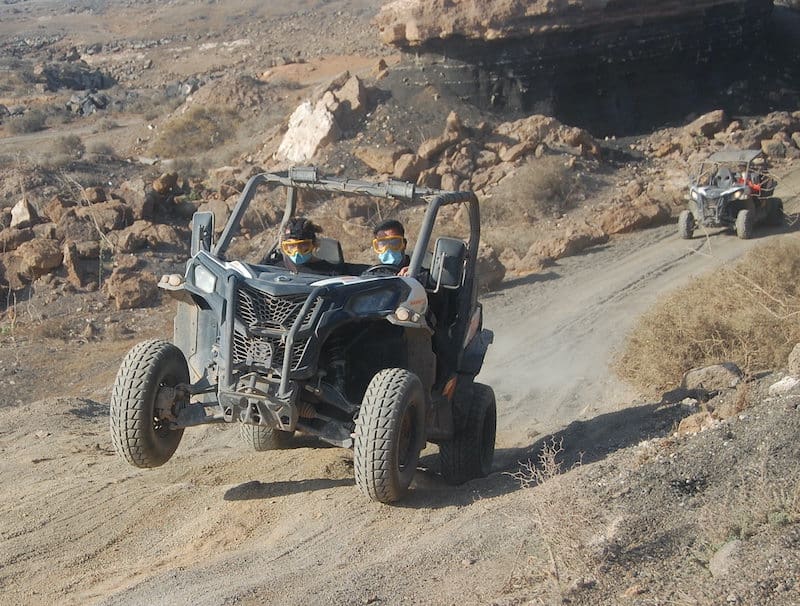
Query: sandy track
{"x": 219, "y": 524}
{"x": 557, "y": 332}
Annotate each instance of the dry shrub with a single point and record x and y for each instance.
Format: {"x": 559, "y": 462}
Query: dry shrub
{"x": 199, "y": 130}
{"x": 30, "y": 122}
{"x": 100, "y": 150}
{"x": 69, "y": 145}
{"x": 748, "y": 314}
{"x": 542, "y": 188}
{"x": 571, "y": 532}
{"x": 54, "y": 328}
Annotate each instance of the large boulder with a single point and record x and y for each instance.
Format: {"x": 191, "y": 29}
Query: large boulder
{"x": 138, "y": 197}
{"x": 23, "y": 215}
{"x": 573, "y": 240}
{"x": 490, "y": 271}
{"x": 93, "y": 222}
{"x": 708, "y": 124}
{"x": 131, "y": 288}
{"x": 11, "y": 238}
{"x": 380, "y": 159}
{"x": 626, "y": 217}
{"x": 717, "y": 377}
{"x": 144, "y": 234}
{"x": 38, "y": 257}
{"x": 310, "y": 127}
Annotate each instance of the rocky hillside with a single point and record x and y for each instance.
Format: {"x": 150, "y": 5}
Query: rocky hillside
{"x": 120, "y": 119}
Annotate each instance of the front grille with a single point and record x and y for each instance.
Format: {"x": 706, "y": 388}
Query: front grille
{"x": 265, "y": 352}
{"x": 260, "y": 314}
{"x": 259, "y": 309}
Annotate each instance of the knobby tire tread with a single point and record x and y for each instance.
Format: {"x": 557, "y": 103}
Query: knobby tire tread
{"x": 460, "y": 458}
{"x": 376, "y": 427}
{"x": 130, "y": 413}
{"x": 262, "y": 438}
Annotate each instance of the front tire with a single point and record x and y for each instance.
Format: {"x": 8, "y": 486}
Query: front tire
{"x": 139, "y": 431}
{"x": 470, "y": 453}
{"x": 390, "y": 433}
{"x": 686, "y": 224}
{"x": 744, "y": 224}
{"x": 262, "y": 438}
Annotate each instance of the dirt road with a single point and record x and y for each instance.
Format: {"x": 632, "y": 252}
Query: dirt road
{"x": 558, "y": 331}
{"x": 221, "y": 525}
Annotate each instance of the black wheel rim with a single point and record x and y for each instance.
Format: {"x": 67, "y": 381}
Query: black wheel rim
{"x": 161, "y": 426}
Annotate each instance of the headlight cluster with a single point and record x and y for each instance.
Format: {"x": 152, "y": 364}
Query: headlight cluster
{"x": 739, "y": 194}
{"x": 695, "y": 196}
{"x": 204, "y": 280}
{"x": 380, "y": 300}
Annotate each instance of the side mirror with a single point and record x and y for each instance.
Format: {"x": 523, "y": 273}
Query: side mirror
{"x": 447, "y": 267}
{"x": 202, "y": 231}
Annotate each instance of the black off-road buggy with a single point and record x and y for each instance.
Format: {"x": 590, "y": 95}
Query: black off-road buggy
{"x": 366, "y": 359}
{"x": 731, "y": 189}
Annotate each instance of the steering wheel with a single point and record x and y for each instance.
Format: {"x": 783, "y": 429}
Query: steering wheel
{"x": 382, "y": 268}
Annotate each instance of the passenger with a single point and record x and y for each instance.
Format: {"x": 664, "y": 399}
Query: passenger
{"x": 298, "y": 245}
{"x": 390, "y": 243}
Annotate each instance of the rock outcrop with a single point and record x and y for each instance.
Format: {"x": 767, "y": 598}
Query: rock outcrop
{"x": 415, "y": 22}
{"x": 610, "y": 67}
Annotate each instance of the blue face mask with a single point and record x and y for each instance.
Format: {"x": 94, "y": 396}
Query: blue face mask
{"x": 391, "y": 257}
{"x": 299, "y": 259}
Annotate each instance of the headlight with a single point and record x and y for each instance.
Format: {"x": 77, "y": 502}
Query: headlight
{"x": 738, "y": 195}
{"x": 382, "y": 300}
{"x": 204, "y": 279}
{"x": 694, "y": 195}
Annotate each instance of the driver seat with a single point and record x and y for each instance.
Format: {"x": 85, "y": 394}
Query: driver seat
{"x": 723, "y": 179}
{"x": 329, "y": 250}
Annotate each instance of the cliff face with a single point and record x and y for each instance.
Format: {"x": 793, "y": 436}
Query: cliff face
{"x": 414, "y": 22}
{"x": 613, "y": 66}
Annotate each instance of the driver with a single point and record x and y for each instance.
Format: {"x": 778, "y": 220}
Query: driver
{"x": 389, "y": 243}
{"x": 298, "y": 245}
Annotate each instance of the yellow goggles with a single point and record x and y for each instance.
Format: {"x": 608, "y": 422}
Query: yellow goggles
{"x": 293, "y": 247}
{"x": 395, "y": 243}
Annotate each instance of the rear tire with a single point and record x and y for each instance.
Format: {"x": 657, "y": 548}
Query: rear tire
{"x": 686, "y": 224}
{"x": 262, "y": 438}
{"x": 390, "y": 433}
{"x": 775, "y": 214}
{"x": 744, "y": 224}
{"x": 470, "y": 453}
{"x": 139, "y": 435}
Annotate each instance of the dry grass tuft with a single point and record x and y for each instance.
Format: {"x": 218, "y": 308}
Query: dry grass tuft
{"x": 541, "y": 189}
{"x": 30, "y": 122}
{"x": 572, "y": 534}
{"x": 199, "y": 130}
{"x": 748, "y": 314}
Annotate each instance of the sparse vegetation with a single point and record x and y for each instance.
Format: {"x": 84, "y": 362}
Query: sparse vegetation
{"x": 70, "y": 145}
{"x": 198, "y": 130}
{"x": 30, "y": 122}
{"x": 570, "y": 535}
{"x": 100, "y": 150}
{"x": 543, "y": 188}
{"x": 747, "y": 314}
{"x": 65, "y": 150}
